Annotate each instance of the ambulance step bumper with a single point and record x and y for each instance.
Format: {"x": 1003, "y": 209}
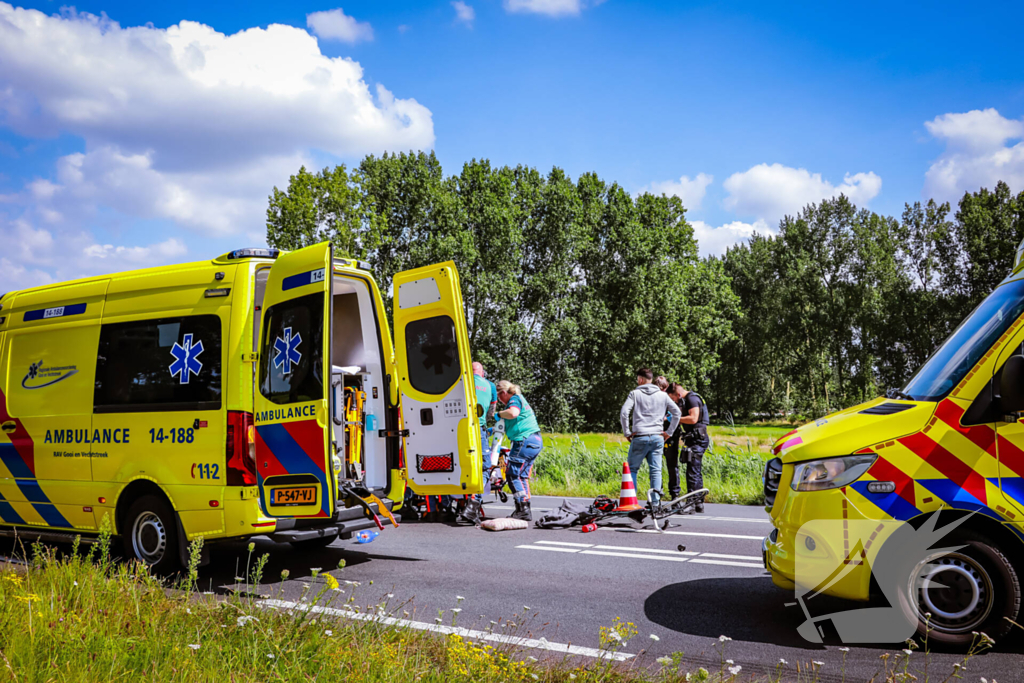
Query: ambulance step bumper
{"x": 350, "y": 520}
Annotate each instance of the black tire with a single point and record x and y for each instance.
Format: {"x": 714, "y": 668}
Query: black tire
{"x": 313, "y": 543}
{"x": 150, "y": 534}
{"x": 975, "y": 589}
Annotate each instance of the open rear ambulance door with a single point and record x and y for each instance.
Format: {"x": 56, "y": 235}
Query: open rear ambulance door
{"x": 435, "y": 382}
{"x": 293, "y": 441}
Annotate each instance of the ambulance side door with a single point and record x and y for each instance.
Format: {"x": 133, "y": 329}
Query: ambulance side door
{"x": 435, "y": 382}
{"x": 293, "y": 459}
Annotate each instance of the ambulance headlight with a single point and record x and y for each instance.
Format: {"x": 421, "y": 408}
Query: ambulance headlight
{"x": 830, "y": 473}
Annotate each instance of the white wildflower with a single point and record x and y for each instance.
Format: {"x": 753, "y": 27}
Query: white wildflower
{"x": 390, "y": 595}
{"x": 844, "y": 649}
{"x": 735, "y": 670}
{"x": 438, "y": 620}
{"x": 270, "y": 656}
{"x": 459, "y": 598}
{"x": 729, "y": 661}
{"x": 194, "y": 646}
{"x": 526, "y": 608}
{"x": 328, "y": 633}
{"x": 614, "y": 635}
{"x": 315, "y": 569}
{"x": 655, "y": 638}
{"x": 782, "y": 661}
{"x": 724, "y": 639}
{"x": 908, "y": 652}
{"x": 75, "y": 583}
{"x": 665, "y": 661}
{"x": 243, "y": 620}
{"x": 207, "y": 592}
{"x": 534, "y": 676}
{"x": 818, "y": 663}
{"x": 188, "y": 611}
{"x": 456, "y": 609}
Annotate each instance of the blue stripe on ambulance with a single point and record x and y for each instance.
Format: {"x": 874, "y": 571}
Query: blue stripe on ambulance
{"x": 891, "y": 504}
{"x": 54, "y": 312}
{"x": 302, "y": 279}
{"x": 954, "y": 494}
{"x": 291, "y": 456}
{"x": 7, "y": 513}
{"x": 1012, "y": 487}
{"x": 29, "y": 488}
{"x": 14, "y": 462}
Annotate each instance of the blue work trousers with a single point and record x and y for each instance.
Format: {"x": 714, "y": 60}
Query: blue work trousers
{"x": 520, "y": 465}
{"x": 647, "y": 447}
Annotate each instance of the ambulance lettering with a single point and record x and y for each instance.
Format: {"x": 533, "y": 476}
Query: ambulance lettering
{"x": 286, "y": 413}
{"x": 69, "y": 436}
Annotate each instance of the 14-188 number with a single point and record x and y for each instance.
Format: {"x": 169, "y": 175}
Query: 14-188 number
{"x": 175, "y": 434}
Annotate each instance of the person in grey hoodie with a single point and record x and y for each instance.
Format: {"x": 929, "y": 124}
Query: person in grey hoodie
{"x": 649, "y": 404}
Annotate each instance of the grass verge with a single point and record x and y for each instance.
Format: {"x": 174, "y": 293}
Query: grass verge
{"x": 588, "y": 465}
{"x": 83, "y": 617}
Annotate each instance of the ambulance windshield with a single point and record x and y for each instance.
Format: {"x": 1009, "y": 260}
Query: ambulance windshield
{"x": 969, "y": 342}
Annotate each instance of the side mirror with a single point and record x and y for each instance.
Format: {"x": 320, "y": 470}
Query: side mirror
{"x": 1011, "y": 385}
{"x": 479, "y": 410}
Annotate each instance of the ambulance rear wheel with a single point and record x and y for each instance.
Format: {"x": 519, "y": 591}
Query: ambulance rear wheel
{"x": 953, "y": 595}
{"x": 150, "y": 534}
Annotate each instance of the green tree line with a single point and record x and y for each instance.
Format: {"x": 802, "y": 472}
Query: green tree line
{"x": 569, "y": 285}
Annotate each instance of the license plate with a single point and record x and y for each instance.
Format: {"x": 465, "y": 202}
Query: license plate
{"x": 299, "y": 495}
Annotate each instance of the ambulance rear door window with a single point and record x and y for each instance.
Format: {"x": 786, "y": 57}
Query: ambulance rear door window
{"x": 159, "y": 365}
{"x": 291, "y": 355}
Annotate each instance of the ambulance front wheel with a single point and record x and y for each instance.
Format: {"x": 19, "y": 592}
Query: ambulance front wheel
{"x": 954, "y": 595}
{"x": 150, "y": 534}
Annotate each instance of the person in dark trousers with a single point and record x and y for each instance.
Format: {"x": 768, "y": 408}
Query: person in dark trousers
{"x": 694, "y": 423}
{"x": 672, "y": 447}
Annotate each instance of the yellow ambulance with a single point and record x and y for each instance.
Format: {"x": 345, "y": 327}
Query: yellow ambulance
{"x": 952, "y": 441}
{"x": 257, "y": 393}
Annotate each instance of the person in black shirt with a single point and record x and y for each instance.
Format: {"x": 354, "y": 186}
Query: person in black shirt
{"x": 694, "y": 426}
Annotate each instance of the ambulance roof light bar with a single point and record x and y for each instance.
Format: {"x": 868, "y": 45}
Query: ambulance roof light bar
{"x": 253, "y": 253}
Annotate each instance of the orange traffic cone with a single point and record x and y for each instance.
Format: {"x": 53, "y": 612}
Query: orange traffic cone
{"x": 627, "y": 494}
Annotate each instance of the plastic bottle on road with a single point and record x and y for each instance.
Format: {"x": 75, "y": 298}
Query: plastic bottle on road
{"x": 366, "y": 535}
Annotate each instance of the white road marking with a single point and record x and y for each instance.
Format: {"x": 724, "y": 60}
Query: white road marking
{"x": 710, "y": 518}
{"x": 549, "y": 548}
{"x": 645, "y": 553}
{"x": 452, "y": 630}
{"x": 728, "y": 563}
{"x": 731, "y": 557}
{"x": 689, "y": 533}
{"x": 646, "y": 550}
{"x": 577, "y": 545}
{"x": 634, "y": 556}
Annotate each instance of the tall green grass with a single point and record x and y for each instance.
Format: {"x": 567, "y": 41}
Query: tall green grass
{"x": 588, "y": 465}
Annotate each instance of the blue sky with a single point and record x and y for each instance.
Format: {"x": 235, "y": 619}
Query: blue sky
{"x": 125, "y": 147}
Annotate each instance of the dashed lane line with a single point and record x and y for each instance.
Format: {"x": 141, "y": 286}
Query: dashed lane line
{"x": 537, "y": 644}
{"x": 691, "y": 533}
{"x": 646, "y": 553}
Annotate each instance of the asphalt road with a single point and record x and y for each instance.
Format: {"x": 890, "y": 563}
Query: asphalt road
{"x": 574, "y": 583}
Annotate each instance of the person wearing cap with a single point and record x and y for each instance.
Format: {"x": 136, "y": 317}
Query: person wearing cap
{"x": 648, "y": 404}
{"x": 523, "y": 431}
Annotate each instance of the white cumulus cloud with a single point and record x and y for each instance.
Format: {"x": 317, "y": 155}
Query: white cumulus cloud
{"x": 769, "y": 192}
{"x": 551, "y": 8}
{"x": 980, "y": 151}
{"x": 36, "y": 256}
{"x": 464, "y": 13}
{"x": 690, "y": 191}
{"x": 713, "y": 241}
{"x": 334, "y": 24}
{"x": 186, "y": 123}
